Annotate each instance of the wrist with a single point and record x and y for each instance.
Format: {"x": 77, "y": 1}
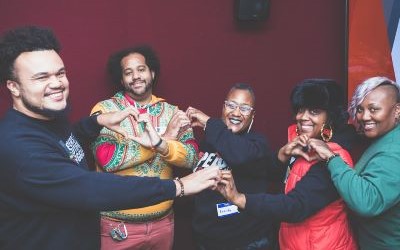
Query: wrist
{"x": 240, "y": 200}
{"x": 162, "y": 147}
{"x": 205, "y": 123}
{"x": 281, "y": 157}
{"x": 155, "y": 146}
{"x": 98, "y": 117}
{"x": 180, "y": 188}
{"x": 330, "y": 158}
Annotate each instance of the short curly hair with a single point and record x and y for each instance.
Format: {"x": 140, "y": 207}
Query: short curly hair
{"x": 323, "y": 94}
{"x": 24, "y": 39}
{"x": 114, "y": 62}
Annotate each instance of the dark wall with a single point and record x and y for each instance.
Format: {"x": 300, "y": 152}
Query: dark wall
{"x": 203, "y": 50}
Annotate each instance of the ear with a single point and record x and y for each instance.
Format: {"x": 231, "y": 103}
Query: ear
{"x": 397, "y": 111}
{"x": 13, "y": 87}
{"x": 153, "y": 74}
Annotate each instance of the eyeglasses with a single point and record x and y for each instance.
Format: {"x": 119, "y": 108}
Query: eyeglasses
{"x": 244, "y": 109}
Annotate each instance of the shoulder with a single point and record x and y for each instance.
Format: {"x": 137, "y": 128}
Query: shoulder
{"x": 256, "y": 136}
{"x": 167, "y": 105}
{"x": 116, "y": 102}
{"x": 346, "y": 137}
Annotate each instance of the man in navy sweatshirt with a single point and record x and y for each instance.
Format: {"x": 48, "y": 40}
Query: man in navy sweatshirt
{"x": 48, "y": 198}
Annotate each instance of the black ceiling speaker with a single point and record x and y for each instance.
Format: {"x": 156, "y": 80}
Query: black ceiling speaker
{"x": 252, "y": 10}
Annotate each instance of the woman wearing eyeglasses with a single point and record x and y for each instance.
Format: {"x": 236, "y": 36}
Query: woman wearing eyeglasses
{"x": 312, "y": 213}
{"x": 229, "y": 143}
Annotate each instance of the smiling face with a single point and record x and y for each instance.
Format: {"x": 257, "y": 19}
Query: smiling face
{"x": 41, "y": 87}
{"x": 310, "y": 121}
{"x": 377, "y": 113}
{"x": 137, "y": 78}
{"x": 232, "y": 113}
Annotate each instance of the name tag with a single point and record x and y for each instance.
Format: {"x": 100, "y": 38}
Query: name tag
{"x": 226, "y": 209}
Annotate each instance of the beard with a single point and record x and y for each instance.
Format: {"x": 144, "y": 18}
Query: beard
{"x": 142, "y": 93}
{"x": 49, "y": 113}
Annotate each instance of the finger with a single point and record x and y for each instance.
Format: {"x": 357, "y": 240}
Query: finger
{"x": 314, "y": 157}
{"x": 226, "y": 175}
{"x": 131, "y": 111}
{"x": 134, "y": 138}
{"x": 121, "y": 131}
{"x": 224, "y": 182}
{"x": 196, "y": 124}
{"x": 189, "y": 109}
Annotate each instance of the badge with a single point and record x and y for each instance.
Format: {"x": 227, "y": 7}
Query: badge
{"x": 226, "y": 209}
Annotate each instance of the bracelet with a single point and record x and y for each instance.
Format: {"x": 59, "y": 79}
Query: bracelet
{"x": 182, "y": 187}
{"x": 330, "y": 158}
{"x": 157, "y": 144}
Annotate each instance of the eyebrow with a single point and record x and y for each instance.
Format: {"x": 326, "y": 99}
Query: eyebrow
{"x": 39, "y": 74}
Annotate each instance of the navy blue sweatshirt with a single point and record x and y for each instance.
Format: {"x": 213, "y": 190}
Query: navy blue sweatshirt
{"x": 249, "y": 158}
{"x": 48, "y": 197}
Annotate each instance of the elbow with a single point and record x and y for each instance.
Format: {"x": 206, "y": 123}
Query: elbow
{"x": 365, "y": 211}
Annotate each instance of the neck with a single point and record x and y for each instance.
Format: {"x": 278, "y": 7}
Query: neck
{"x": 27, "y": 112}
{"x": 141, "y": 100}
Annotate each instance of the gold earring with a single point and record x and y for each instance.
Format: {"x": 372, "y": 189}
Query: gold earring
{"x": 326, "y": 132}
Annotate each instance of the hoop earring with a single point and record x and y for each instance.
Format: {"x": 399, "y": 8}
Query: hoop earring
{"x": 326, "y": 132}
{"x": 297, "y": 131}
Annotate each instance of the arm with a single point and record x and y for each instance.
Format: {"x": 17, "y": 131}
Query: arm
{"x": 113, "y": 152}
{"x": 373, "y": 186}
{"x": 182, "y": 152}
{"x": 46, "y": 180}
{"x": 375, "y": 189}
{"x": 312, "y": 193}
{"x": 89, "y": 127}
{"x": 182, "y": 147}
{"x": 235, "y": 149}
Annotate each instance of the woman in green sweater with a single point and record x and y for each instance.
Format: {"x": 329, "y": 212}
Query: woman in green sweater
{"x": 372, "y": 188}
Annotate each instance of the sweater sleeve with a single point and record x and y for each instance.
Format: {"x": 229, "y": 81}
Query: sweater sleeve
{"x": 113, "y": 153}
{"x": 49, "y": 180}
{"x": 236, "y": 149}
{"x": 87, "y": 127}
{"x": 373, "y": 191}
{"x": 183, "y": 152}
{"x": 312, "y": 193}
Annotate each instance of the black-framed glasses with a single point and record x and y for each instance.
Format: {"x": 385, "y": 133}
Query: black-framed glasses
{"x": 243, "y": 108}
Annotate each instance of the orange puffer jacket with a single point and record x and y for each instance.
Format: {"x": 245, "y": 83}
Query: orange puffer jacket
{"x": 329, "y": 228}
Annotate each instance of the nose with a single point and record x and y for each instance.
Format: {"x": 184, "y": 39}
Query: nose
{"x": 55, "y": 82}
{"x": 135, "y": 75}
{"x": 303, "y": 115}
{"x": 365, "y": 115}
{"x": 236, "y": 111}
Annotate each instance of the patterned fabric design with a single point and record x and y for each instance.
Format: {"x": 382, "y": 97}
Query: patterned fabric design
{"x": 138, "y": 217}
{"x": 130, "y": 158}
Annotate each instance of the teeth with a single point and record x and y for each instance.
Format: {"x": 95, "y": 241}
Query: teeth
{"x": 234, "y": 121}
{"x": 369, "y": 126}
{"x": 306, "y": 127}
{"x": 56, "y": 95}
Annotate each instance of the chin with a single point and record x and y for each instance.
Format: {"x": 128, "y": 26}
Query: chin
{"x": 236, "y": 129}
